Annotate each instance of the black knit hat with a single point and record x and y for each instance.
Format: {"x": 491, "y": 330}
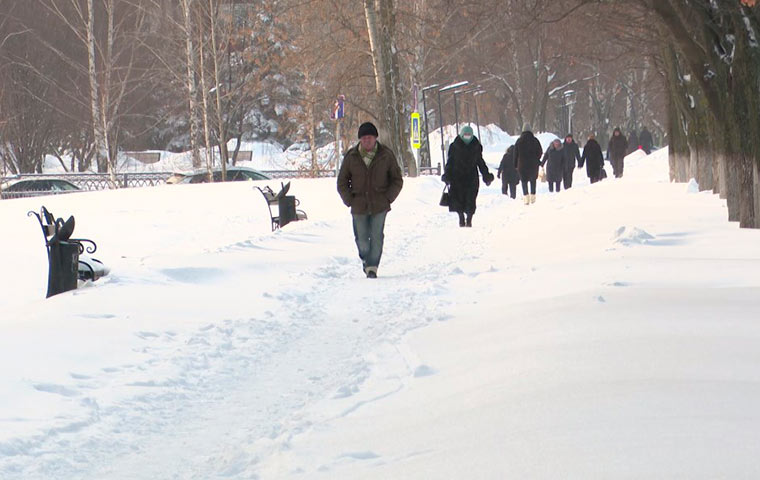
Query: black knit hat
{"x": 367, "y": 128}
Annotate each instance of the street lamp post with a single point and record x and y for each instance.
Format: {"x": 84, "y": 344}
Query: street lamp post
{"x": 456, "y": 111}
{"x": 475, "y": 92}
{"x": 569, "y": 102}
{"x": 429, "y": 160}
{"x": 440, "y": 116}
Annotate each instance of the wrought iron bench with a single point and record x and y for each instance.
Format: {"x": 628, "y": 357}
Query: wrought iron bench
{"x": 55, "y": 231}
{"x": 286, "y": 206}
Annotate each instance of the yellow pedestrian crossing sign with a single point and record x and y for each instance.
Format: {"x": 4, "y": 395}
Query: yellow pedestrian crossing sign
{"x": 416, "y": 143}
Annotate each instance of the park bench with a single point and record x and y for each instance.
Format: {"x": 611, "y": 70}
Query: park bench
{"x": 144, "y": 157}
{"x": 66, "y": 253}
{"x": 285, "y": 204}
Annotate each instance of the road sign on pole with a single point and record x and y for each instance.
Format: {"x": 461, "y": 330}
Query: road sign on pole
{"x": 416, "y": 137}
{"x": 337, "y": 111}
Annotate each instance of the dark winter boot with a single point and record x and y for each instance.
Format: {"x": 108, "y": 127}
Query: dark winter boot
{"x": 461, "y": 219}
{"x": 468, "y": 222}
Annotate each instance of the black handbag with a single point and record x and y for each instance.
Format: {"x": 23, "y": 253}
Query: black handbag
{"x": 444, "y": 202}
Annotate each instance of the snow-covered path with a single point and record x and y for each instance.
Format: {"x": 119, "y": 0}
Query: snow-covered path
{"x": 605, "y": 331}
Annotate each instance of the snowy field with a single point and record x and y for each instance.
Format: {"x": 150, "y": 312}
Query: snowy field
{"x": 611, "y": 331}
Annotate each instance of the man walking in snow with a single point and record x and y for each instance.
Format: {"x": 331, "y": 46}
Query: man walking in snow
{"x": 369, "y": 180}
{"x": 646, "y": 141}
{"x": 616, "y": 151}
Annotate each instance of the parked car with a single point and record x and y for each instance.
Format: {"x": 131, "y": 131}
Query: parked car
{"x": 33, "y": 187}
{"x": 234, "y": 174}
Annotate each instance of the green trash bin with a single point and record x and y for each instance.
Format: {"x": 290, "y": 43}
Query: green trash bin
{"x": 287, "y": 209}
{"x": 63, "y": 267}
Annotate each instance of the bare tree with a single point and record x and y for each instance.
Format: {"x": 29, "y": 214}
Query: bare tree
{"x": 381, "y": 28}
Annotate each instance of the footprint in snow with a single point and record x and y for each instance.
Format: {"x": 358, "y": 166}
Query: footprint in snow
{"x": 57, "y": 389}
{"x": 368, "y": 455}
{"x": 346, "y": 391}
{"x": 424, "y": 371}
{"x": 146, "y": 335}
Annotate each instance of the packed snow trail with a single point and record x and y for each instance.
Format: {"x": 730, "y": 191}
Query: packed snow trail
{"x": 219, "y": 350}
{"x": 208, "y": 401}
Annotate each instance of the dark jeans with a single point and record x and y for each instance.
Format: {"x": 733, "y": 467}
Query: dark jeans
{"x": 509, "y": 189}
{"x": 594, "y": 179}
{"x": 554, "y": 186}
{"x": 567, "y": 179}
{"x": 369, "y": 236}
{"x": 532, "y": 186}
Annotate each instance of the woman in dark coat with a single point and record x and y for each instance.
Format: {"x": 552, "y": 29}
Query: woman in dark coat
{"x": 592, "y": 156}
{"x": 555, "y": 157}
{"x": 616, "y": 151}
{"x": 646, "y": 141}
{"x": 461, "y": 174}
{"x": 508, "y": 173}
{"x": 633, "y": 142}
{"x": 527, "y": 159}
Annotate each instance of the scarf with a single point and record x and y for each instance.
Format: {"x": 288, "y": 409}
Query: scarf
{"x": 368, "y": 156}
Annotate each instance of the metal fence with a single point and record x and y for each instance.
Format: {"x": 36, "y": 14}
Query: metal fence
{"x": 102, "y": 181}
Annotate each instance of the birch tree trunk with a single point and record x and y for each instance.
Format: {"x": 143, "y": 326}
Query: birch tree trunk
{"x": 106, "y": 93}
{"x": 380, "y": 19}
{"x": 213, "y": 13}
{"x": 396, "y": 111}
{"x": 370, "y": 14}
{"x": 204, "y": 107}
{"x": 97, "y": 126}
{"x": 192, "y": 93}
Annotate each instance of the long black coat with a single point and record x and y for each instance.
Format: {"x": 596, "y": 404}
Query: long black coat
{"x": 573, "y": 154}
{"x": 618, "y": 146}
{"x": 555, "y": 157}
{"x": 461, "y": 173}
{"x": 592, "y": 156}
{"x": 507, "y": 169}
{"x": 528, "y": 153}
{"x": 645, "y": 138}
{"x": 633, "y": 142}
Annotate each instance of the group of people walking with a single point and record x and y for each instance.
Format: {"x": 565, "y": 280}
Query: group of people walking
{"x": 521, "y": 165}
{"x": 370, "y": 178}
{"x": 523, "y": 160}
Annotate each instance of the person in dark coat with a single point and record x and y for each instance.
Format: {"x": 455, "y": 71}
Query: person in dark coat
{"x": 528, "y": 153}
{"x": 646, "y": 141}
{"x": 616, "y": 151}
{"x": 369, "y": 180}
{"x": 573, "y": 154}
{"x": 461, "y": 174}
{"x": 633, "y": 142}
{"x": 555, "y": 157}
{"x": 594, "y": 159}
{"x": 508, "y": 173}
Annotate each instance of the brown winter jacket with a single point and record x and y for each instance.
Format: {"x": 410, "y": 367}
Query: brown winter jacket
{"x": 369, "y": 190}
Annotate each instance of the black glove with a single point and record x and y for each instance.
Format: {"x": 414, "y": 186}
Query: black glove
{"x": 444, "y": 179}
{"x": 488, "y": 178}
